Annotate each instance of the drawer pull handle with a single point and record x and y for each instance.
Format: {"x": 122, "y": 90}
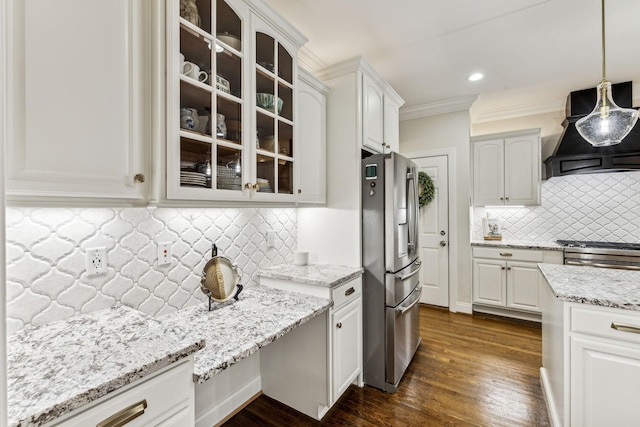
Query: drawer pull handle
{"x": 125, "y": 416}
{"x": 505, "y": 254}
{"x": 349, "y": 291}
{"x": 623, "y": 327}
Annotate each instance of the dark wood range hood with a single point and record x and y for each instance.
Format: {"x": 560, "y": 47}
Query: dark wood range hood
{"x": 574, "y": 155}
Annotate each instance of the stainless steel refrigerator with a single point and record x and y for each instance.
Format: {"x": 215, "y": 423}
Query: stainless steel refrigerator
{"x": 391, "y": 287}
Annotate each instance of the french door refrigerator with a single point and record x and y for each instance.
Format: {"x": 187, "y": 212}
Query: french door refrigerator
{"x": 391, "y": 287}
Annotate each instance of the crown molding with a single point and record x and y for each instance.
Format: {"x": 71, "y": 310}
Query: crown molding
{"x": 483, "y": 115}
{"x": 437, "y": 108}
{"x": 309, "y": 61}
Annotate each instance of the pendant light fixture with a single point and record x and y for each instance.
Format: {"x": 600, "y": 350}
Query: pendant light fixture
{"x": 607, "y": 124}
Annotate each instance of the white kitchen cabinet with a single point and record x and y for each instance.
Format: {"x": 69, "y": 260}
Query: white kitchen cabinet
{"x": 591, "y": 371}
{"x": 311, "y": 135}
{"x": 509, "y": 278}
{"x": 392, "y": 123}
{"x": 343, "y": 330}
{"x": 165, "y": 398}
{"x": 605, "y": 383}
{"x": 506, "y": 168}
{"x": 372, "y": 115}
{"x": 77, "y": 108}
{"x": 231, "y": 137}
{"x": 346, "y": 357}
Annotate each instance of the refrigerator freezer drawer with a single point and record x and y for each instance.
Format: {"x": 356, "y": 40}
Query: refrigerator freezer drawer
{"x": 403, "y": 337}
{"x": 398, "y": 286}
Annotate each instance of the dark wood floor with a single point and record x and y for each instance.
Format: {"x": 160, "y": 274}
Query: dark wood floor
{"x": 469, "y": 371}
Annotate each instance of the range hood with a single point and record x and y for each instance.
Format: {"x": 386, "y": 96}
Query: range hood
{"x": 575, "y": 155}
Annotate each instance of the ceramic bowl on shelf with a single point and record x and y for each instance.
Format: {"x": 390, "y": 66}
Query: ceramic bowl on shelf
{"x": 230, "y": 40}
{"x": 266, "y": 101}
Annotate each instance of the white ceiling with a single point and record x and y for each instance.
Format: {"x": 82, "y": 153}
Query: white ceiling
{"x": 529, "y": 50}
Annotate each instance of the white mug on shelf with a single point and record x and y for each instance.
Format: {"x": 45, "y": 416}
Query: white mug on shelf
{"x": 193, "y": 71}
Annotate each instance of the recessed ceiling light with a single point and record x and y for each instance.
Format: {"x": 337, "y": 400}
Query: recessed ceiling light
{"x": 475, "y": 77}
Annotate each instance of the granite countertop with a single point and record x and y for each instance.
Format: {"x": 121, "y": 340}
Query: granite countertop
{"x": 58, "y": 367}
{"x": 518, "y": 244}
{"x": 325, "y": 275}
{"x": 606, "y": 287}
{"x": 234, "y": 331}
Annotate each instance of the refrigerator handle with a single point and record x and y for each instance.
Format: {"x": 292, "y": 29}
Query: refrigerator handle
{"x": 403, "y": 310}
{"x": 414, "y": 272}
{"x": 413, "y": 229}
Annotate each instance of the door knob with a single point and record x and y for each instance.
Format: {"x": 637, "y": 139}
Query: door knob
{"x": 442, "y": 232}
{"x": 443, "y": 243}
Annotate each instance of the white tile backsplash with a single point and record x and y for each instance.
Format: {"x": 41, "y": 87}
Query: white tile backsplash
{"x": 604, "y": 206}
{"x": 46, "y": 256}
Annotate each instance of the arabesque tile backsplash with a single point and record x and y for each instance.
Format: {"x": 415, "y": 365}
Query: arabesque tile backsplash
{"x": 604, "y": 207}
{"x": 46, "y": 256}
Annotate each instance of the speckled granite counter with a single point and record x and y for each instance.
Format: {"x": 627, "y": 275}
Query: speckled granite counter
{"x": 325, "y": 275}
{"x": 591, "y": 285}
{"x": 518, "y": 244}
{"x": 234, "y": 331}
{"x": 61, "y": 366}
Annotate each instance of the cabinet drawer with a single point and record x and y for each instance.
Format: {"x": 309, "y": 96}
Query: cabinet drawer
{"x": 169, "y": 398}
{"x": 508, "y": 254}
{"x": 599, "y": 322}
{"x": 346, "y": 292}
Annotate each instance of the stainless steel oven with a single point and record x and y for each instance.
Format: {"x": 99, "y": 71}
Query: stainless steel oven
{"x": 625, "y": 256}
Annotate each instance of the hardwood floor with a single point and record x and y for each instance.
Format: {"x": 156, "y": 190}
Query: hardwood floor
{"x": 476, "y": 370}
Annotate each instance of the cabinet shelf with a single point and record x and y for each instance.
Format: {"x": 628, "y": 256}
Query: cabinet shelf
{"x": 197, "y": 136}
{"x": 195, "y": 30}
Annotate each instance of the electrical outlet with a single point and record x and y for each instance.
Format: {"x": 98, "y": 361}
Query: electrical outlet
{"x": 271, "y": 239}
{"x": 164, "y": 253}
{"x": 96, "y": 261}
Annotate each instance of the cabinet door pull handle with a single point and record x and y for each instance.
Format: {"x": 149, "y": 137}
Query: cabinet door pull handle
{"x": 349, "y": 291}
{"x": 124, "y": 416}
{"x": 502, "y": 268}
{"x": 501, "y": 198}
{"x": 508, "y": 268}
{"x": 505, "y": 254}
{"x": 339, "y": 325}
{"x": 138, "y": 178}
{"x": 623, "y": 327}
{"x": 507, "y": 199}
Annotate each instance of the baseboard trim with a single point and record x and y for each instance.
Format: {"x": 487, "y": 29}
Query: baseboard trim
{"x": 463, "y": 307}
{"x": 547, "y": 393}
{"x": 522, "y": 315}
{"x": 239, "y": 408}
{"x": 224, "y": 410}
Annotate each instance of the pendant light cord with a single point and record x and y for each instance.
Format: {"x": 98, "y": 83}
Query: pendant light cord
{"x": 604, "y": 66}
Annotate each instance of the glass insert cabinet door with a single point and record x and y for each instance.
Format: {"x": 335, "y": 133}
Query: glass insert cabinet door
{"x": 230, "y": 103}
{"x": 206, "y": 93}
{"x": 274, "y": 107}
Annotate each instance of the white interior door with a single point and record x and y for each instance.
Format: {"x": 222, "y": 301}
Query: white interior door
{"x": 434, "y": 234}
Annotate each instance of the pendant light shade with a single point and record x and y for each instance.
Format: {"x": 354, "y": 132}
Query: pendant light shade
{"x": 607, "y": 124}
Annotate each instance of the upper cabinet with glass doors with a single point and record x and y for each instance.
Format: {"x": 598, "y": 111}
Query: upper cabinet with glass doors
{"x": 230, "y": 102}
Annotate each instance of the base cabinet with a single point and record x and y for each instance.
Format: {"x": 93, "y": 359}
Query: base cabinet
{"x": 590, "y": 370}
{"x": 346, "y": 356}
{"x": 605, "y": 381}
{"x": 165, "y": 399}
{"x": 342, "y": 340}
{"x": 510, "y": 278}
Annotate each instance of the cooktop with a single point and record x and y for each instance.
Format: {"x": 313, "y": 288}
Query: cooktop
{"x": 603, "y": 245}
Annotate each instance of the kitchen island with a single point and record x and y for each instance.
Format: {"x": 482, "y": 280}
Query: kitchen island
{"x": 591, "y": 345}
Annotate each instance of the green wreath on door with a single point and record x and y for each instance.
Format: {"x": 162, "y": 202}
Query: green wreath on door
{"x": 426, "y": 189}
